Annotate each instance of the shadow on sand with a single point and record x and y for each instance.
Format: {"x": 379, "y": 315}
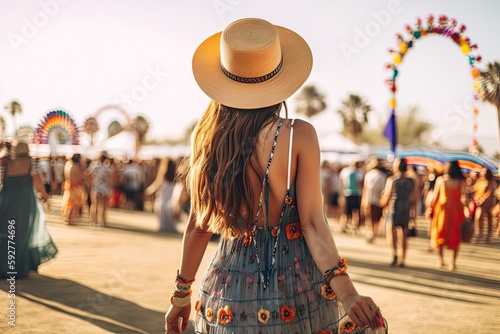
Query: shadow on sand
{"x": 99, "y": 308}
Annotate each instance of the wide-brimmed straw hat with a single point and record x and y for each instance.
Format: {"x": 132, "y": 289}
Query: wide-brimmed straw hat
{"x": 252, "y": 64}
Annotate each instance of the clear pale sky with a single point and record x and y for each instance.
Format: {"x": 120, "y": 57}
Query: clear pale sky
{"x": 78, "y": 56}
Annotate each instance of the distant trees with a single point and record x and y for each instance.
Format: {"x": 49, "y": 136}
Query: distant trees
{"x": 91, "y": 127}
{"x": 490, "y": 86}
{"x": 411, "y": 129}
{"x": 14, "y": 108}
{"x": 140, "y": 126}
{"x": 2, "y": 126}
{"x": 310, "y": 101}
{"x": 354, "y": 114}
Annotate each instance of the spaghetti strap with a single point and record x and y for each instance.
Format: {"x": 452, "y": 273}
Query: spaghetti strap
{"x": 290, "y": 155}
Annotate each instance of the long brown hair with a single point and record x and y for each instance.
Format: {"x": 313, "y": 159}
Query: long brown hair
{"x": 220, "y": 165}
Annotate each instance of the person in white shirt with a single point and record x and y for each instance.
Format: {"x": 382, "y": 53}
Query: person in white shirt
{"x": 373, "y": 186}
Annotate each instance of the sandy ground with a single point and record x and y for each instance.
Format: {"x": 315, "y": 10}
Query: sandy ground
{"x": 118, "y": 280}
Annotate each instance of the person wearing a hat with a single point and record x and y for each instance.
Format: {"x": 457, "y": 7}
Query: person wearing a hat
{"x": 250, "y": 173}
{"x": 23, "y": 234}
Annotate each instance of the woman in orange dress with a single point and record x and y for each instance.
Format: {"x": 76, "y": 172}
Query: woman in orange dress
{"x": 448, "y": 212}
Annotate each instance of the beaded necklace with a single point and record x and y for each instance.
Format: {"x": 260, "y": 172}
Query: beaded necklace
{"x": 265, "y": 183}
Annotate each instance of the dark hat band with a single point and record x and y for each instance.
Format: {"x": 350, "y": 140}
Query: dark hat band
{"x": 252, "y": 80}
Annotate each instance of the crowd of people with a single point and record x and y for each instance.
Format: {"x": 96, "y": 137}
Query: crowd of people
{"x": 382, "y": 199}
{"x": 87, "y": 187}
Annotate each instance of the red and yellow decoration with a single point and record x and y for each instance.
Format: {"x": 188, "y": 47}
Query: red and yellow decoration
{"x": 263, "y": 316}
{"x": 347, "y": 327}
{"x": 287, "y": 313}
{"x": 293, "y": 231}
{"x": 446, "y": 27}
{"x": 327, "y": 292}
{"x": 225, "y": 315}
{"x": 209, "y": 314}
{"x": 197, "y": 305}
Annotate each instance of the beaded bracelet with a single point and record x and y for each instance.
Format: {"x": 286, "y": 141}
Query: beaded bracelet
{"x": 180, "y": 301}
{"x": 335, "y": 271}
{"x": 181, "y": 279}
{"x": 180, "y": 287}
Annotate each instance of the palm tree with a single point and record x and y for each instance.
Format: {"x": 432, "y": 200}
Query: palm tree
{"x": 411, "y": 129}
{"x": 14, "y": 108}
{"x": 354, "y": 113}
{"x": 310, "y": 101}
{"x": 141, "y": 127}
{"x": 90, "y": 127}
{"x": 2, "y": 125}
{"x": 490, "y": 86}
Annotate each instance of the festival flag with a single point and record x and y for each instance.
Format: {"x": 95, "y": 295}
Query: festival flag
{"x": 390, "y": 131}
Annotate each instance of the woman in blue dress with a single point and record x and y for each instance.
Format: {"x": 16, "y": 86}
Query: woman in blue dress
{"x": 24, "y": 240}
{"x": 254, "y": 178}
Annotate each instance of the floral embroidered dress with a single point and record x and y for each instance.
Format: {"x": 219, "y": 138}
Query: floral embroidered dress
{"x": 268, "y": 283}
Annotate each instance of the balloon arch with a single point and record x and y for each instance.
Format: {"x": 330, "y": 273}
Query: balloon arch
{"x": 444, "y": 27}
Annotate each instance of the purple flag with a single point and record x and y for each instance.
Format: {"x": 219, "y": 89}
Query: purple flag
{"x": 390, "y": 131}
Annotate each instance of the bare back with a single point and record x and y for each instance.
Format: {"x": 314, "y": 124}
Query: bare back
{"x": 302, "y": 140}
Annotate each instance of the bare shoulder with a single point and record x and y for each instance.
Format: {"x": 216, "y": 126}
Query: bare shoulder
{"x": 304, "y": 134}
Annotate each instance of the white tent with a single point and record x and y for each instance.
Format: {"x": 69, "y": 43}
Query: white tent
{"x": 337, "y": 148}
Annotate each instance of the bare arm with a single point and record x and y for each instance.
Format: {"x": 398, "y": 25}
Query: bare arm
{"x": 39, "y": 186}
{"x": 386, "y": 195}
{"x": 194, "y": 245}
{"x": 160, "y": 175}
{"x": 437, "y": 188}
{"x": 316, "y": 231}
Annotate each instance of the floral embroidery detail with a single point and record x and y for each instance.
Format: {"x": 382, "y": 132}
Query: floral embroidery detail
{"x": 276, "y": 315}
{"x": 327, "y": 292}
{"x": 299, "y": 289}
{"x": 325, "y": 332}
{"x": 274, "y": 231}
{"x": 209, "y": 314}
{"x": 250, "y": 279}
{"x": 347, "y": 327}
{"x": 197, "y": 306}
{"x": 263, "y": 316}
{"x": 287, "y": 313}
{"x": 224, "y": 316}
{"x": 252, "y": 258}
{"x": 288, "y": 200}
{"x": 293, "y": 231}
{"x": 302, "y": 309}
{"x": 243, "y": 316}
{"x": 281, "y": 277}
{"x": 247, "y": 240}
